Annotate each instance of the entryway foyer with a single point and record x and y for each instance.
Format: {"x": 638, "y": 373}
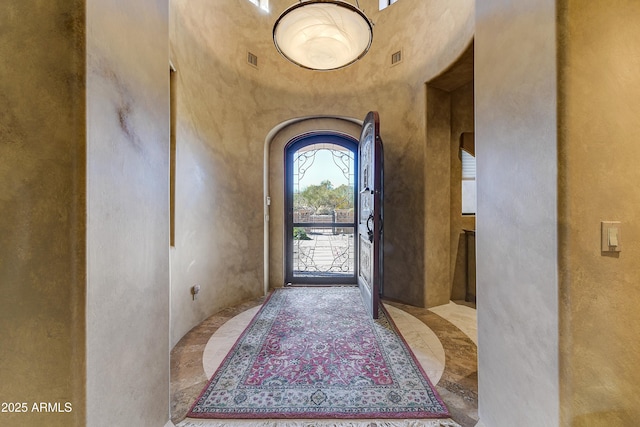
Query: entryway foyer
{"x": 100, "y": 252}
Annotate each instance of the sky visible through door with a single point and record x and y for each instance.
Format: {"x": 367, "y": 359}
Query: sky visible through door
{"x": 323, "y": 169}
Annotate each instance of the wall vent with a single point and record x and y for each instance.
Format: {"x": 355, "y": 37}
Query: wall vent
{"x": 252, "y": 59}
{"x": 396, "y": 57}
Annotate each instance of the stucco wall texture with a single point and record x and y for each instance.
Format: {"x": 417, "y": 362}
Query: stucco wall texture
{"x": 517, "y": 232}
{"x": 598, "y": 112}
{"x": 127, "y": 213}
{"x": 42, "y": 209}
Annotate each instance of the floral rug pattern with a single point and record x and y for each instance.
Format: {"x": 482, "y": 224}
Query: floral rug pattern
{"x": 314, "y": 353}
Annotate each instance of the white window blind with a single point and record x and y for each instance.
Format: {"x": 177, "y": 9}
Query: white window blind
{"x": 468, "y": 166}
{"x": 468, "y": 183}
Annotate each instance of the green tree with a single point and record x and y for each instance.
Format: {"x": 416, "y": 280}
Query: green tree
{"x": 324, "y": 197}
{"x": 343, "y": 197}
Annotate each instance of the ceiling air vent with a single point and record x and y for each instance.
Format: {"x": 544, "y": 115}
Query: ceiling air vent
{"x": 396, "y": 57}
{"x": 252, "y": 59}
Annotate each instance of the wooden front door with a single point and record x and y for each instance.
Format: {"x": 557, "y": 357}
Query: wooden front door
{"x": 370, "y": 175}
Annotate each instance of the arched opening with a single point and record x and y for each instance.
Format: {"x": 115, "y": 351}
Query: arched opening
{"x": 320, "y": 209}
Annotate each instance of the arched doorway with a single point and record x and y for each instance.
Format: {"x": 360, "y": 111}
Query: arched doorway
{"x": 320, "y": 209}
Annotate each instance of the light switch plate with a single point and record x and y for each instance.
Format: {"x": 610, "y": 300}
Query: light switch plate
{"x": 610, "y": 232}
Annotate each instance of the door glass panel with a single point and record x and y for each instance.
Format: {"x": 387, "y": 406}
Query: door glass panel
{"x": 323, "y": 211}
{"x": 323, "y": 251}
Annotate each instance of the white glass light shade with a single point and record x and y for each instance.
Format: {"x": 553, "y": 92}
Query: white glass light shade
{"x": 322, "y": 34}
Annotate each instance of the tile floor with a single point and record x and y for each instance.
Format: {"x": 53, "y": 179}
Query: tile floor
{"x": 324, "y": 253}
{"x": 442, "y": 338}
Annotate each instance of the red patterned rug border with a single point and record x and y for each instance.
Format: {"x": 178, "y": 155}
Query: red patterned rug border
{"x": 229, "y": 356}
{"x": 413, "y": 356}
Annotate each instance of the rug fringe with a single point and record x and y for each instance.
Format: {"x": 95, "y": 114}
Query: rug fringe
{"x": 319, "y": 423}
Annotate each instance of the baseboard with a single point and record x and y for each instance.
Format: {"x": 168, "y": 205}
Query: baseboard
{"x": 190, "y": 422}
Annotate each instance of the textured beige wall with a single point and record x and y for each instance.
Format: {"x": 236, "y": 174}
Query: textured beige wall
{"x": 42, "y": 150}
{"x": 600, "y": 90}
{"x": 219, "y": 222}
{"x": 517, "y": 238}
{"x": 437, "y": 198}
{"x": 226, "y": 108}
{"x": 462, "y": 120}
{"x": 127, "y": 213}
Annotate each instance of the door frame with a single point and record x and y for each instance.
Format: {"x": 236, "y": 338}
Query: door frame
{"x": 301, "y": 141}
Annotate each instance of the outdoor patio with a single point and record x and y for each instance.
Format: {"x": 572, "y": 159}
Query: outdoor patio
{"x": 327, "y": 252}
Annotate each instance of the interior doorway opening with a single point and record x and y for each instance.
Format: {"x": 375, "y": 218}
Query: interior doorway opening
{"x": 321, "y": 209}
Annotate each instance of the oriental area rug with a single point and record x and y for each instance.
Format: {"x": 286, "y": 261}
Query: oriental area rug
{"x": 314, "y": 353}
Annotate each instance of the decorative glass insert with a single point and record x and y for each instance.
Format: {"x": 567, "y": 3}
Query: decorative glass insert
{"x": 323, "y": 251}
{"x": 323, "y": 211}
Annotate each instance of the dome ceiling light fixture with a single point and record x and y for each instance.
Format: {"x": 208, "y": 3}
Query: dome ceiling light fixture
{"x": 323, "y": 34}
